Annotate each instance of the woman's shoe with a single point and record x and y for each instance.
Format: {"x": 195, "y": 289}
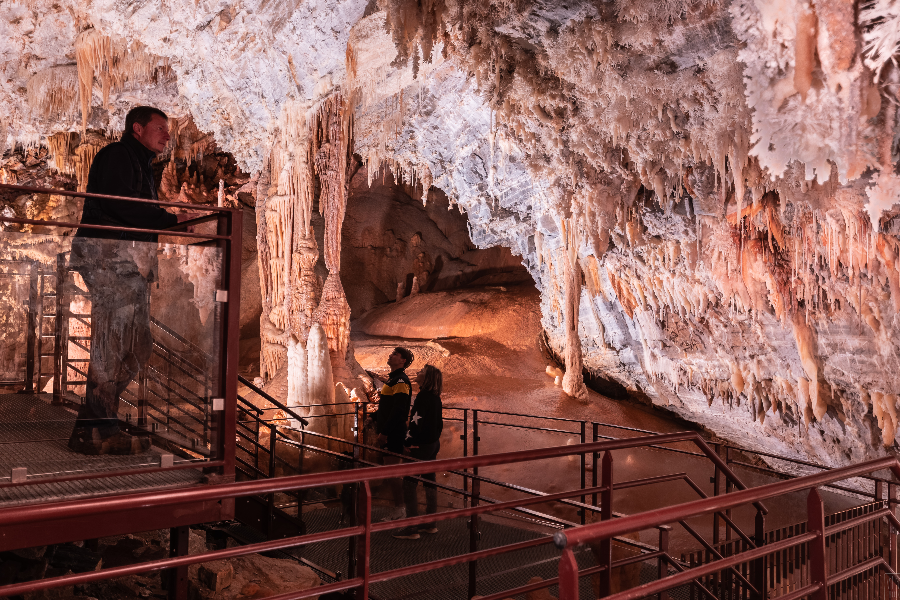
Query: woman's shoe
{"x": 407, "y": 533}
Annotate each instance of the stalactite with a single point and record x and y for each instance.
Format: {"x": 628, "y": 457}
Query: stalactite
{"x": 53, "y": 92}
{"x": 332, "y": 143}
{"x": 62, "y": 146}
{"x": 573, "y": 381}
{"x": 114, "y": 62}
{"x": 91, "y": 144}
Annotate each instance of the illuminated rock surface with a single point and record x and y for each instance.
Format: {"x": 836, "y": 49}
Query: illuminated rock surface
{"x": 722, "y": 174}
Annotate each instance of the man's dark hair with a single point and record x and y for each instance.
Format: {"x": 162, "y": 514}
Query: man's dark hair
{"x": 141, "y": 115}
{"x": 406, "y": 354}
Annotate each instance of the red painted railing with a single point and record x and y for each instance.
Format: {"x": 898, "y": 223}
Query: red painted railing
{"x": 362, "y": 529}
{"x": 223, "y": 374}
{"x": 819, "y": 580}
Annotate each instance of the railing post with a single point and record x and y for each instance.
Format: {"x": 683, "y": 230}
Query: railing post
{"x": 33, "y": 319}
{"x": 61, "y": 331}
{"x": 568, "y": 576}
{"x": 362, "y": 427}
{"x": 364, "y": 518}
{"x": 662, "y": 563}
{"x": 892, "y": 535}
{"x": 177, "y": 587}
{"x": 729, "y": 487}
{"x": 582, "y": 511}
{"x": 716, "y": 481}
{"x": 816, "y": 524}
{"x": 594, "y": 463}
{"x": 758, "y": 566}
{"x": 473, "y": 520}
{"x": 605, "y": 545}
{"x": 465, "y": 448}
{"x": 142, "y": 403}
{"x": 270, "y": 504}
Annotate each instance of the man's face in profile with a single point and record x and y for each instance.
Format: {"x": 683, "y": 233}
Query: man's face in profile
{"x": 154, "y": 135}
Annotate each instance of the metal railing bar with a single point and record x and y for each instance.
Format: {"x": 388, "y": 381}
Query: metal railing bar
{"x": 37, "y": 479}
{"x": 454, "y": 560}
{"x": 853, "y": 522}
{"x": 719, "y": 503}
{"x": 807, "y": 590}
{"x": 57, "y": 192}
{"x": 158, "y": 378}
{"x": 155, "y": 377}
{"x": 249, "y": 404}
{"x": 477, "y": 510}
{"x": 26, "y": 514}
{"x": 537, "y": 515}
{"x": 860, "y": 568}
{"x": 257, "y": 471}
{"x": 649, "y": 481}
{"x": 181, "y": 561}
{"x": 67, "y": 225}
{"x": 278, "y": 404}
{"x": 680, "y": 569}
{"x": 190, "y": 222}
{"x": 482, "y": 478}
{"x": 176, "y": 407}
{"x": 684, "y": 577}
{"x": 170, "y": 357}
{"x": 709, "y": 548}
{"x": 180, "y": 338}
{"x": 511, "y": 425}
{"x": 168, "y": 420}
{"x": 840, "y": 488}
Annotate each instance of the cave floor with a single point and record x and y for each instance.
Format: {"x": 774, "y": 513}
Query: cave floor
{"x": 500, "y": 368}
{"x": 34, "y": 435}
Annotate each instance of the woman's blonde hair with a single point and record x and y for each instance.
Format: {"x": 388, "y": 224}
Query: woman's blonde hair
{"x": 432, "y": 380}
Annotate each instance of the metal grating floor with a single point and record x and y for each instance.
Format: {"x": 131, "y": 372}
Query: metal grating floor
{"x": 34, "y": 434}
{"x": 495, "y": 574}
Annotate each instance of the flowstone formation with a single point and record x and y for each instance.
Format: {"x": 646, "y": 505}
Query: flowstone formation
{"x": 705, "y": 191}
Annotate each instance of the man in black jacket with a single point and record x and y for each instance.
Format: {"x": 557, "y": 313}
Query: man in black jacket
{"x": 117, "y": 268}
{"x": 390, "y": 418}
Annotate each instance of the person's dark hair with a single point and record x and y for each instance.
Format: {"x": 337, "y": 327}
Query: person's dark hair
{"x": 432, "y": 380}
{"x": 141, "y": 115}
{"x": 406, "y": 354}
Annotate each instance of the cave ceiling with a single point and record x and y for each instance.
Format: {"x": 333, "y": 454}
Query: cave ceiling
{"x": 705, "y": 192}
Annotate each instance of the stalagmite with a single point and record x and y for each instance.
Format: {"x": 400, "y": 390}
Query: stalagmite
{"x": 320, "y": 383}
{"x": 298, "y": 377}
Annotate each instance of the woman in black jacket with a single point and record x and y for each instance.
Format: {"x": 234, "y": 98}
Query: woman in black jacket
{"x": 424, "y": 441}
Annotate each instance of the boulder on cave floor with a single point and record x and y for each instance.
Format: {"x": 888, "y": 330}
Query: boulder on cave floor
{"x": 248, "y": 577}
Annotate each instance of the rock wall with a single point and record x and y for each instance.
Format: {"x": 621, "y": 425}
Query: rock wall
{"x": 708, "y": 190}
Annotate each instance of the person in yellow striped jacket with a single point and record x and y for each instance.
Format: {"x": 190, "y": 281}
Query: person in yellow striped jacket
{"x": 391, "y": 416}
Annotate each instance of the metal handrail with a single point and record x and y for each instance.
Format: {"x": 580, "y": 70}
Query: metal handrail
{"x": 569, "y": 574}
{"x": 56, "y": 192}
{"x": 277, "y": 404}
{"x": 566, "y": 540}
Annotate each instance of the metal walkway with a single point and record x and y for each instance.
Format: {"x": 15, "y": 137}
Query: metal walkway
{"x": 495, "y": 574}
{"x": 34, "y": 436}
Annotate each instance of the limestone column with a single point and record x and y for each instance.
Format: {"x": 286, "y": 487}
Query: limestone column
{"x": 573, "y": 381}
{"x": 333, "y": 312}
